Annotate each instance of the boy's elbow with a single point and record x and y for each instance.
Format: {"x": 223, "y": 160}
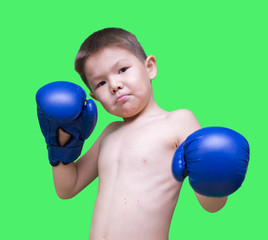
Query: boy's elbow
{"x": 213, "y": 209}
{"x": 65, "y": 195}
{"x": 211, "y": 204}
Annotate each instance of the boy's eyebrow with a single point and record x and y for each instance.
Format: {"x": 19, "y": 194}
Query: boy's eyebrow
{"x": 117, "y": 62}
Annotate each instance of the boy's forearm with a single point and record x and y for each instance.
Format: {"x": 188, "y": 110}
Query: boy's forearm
{"x": 65, "y": 177}
{"x": 211, "y": 204}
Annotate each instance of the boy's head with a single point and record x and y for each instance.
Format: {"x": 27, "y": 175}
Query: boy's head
{"x": 107, "y": 37}
{"x": 115, "y": 68}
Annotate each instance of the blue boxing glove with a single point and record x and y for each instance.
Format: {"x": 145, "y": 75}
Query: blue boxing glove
{"x": 63, "y": 105}
{"x": 215, "y": 159}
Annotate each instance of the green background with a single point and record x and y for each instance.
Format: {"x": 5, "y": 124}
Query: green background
{"x": 212, "y": 59}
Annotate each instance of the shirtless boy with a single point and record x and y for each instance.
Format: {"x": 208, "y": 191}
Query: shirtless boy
{"x": 132, "y": 158}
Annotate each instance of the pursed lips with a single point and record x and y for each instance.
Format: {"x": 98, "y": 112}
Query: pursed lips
{"x": 122, "y": 98}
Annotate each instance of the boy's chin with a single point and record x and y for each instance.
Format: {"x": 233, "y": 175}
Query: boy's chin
{"x": 127, "y": 114}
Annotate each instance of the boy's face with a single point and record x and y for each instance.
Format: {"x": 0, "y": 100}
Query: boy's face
{"x": 120, "y": 81}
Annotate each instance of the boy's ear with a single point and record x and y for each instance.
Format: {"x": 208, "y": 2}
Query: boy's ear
{"x": 93, "y": 96}
{"x": 150, "y": 64}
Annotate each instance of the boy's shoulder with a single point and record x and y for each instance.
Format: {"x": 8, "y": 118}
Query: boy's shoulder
{"x": 112, "y": 127}
{"x": 109, "y": 129}
{"x": 184, "y": 123}
{"x": 182, "y": 116}
{"x": 182, "y": 112}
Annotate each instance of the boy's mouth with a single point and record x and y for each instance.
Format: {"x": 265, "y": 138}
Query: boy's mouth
{"x": 122, "y": 98}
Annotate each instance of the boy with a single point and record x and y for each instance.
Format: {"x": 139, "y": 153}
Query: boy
{"x": 137, "y": 192}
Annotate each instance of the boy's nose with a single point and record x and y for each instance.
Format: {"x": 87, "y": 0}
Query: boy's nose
{"x": 115, "y": 86}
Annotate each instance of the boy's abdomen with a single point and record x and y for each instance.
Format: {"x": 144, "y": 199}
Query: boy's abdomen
{"x": 134, "y": 209}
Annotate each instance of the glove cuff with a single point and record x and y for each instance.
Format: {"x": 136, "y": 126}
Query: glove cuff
{"x": 178, "y": 165}
{"x": 65, "y": 155}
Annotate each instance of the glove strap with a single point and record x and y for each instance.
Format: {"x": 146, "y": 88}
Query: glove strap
{"x": 63, "y": 154}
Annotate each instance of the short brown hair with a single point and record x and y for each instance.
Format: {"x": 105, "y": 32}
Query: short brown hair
{"x": 104, "y": 38}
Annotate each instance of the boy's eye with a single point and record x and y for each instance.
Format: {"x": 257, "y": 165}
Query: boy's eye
{"x": 101, "y": 84}
{"x": 123, "y": 69}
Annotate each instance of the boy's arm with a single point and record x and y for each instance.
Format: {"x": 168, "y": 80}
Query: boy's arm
{"x": 216, "y": 160}
{"x": 70, "y": 179}
{"x": 66, "y": 120}
{"x": 190, "y": 124}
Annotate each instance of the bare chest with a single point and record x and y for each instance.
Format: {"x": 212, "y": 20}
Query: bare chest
{"x": 147, "y": 148}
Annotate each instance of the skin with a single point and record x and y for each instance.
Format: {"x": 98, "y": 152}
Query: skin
{"x": 137, "y": 193}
